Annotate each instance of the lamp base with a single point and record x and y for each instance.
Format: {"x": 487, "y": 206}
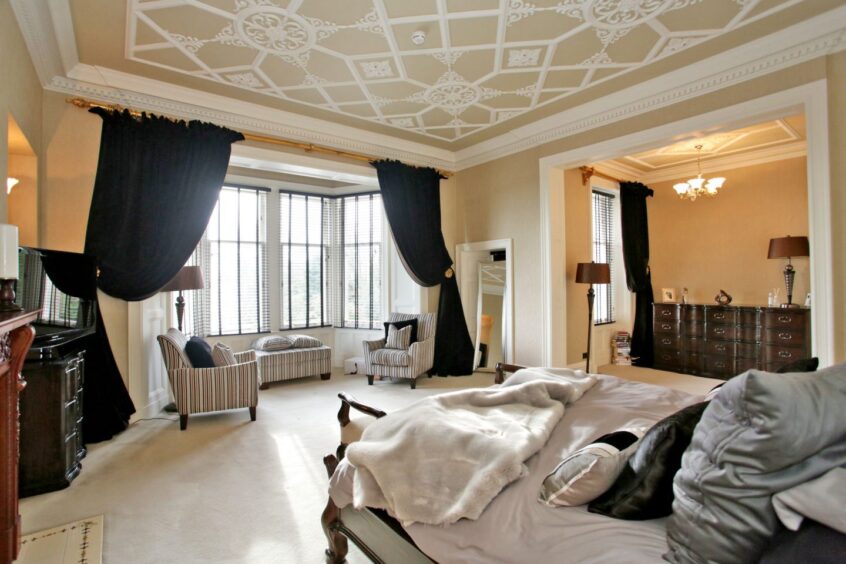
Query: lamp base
{"x": 790, "y": 305}
{"x": 7, "y": 296}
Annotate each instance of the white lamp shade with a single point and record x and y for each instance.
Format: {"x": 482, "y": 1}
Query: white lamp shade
{"x": 715, "y": 183}
{"x": 10, "y": 183}
{"x": 681, "y": 188}
{"x": 8, "y": 251}
{"x": 697, "y": 182}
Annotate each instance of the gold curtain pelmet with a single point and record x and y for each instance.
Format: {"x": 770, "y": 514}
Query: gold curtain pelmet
{"x": 307, "y": 147}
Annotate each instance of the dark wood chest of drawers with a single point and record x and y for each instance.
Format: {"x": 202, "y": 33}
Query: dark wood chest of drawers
{"x": 723, "y": 341}
{"x": 51, "y": 424}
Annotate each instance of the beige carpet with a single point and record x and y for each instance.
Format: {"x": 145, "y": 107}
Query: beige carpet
{"x": 226, "y": 489}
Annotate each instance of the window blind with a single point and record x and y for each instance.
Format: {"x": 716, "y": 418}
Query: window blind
{"x": 603, "y": 251}
{"x": 304, "y": 251}
{"x": 359, "y": 264}
{"x": 233, "y": 255}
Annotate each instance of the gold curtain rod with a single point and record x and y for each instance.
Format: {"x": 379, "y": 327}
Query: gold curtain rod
{"x": 307, "y": 147}
{"x": 588, "y": 171}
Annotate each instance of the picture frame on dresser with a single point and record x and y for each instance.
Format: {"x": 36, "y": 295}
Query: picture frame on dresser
{"x": 669, "y": 295}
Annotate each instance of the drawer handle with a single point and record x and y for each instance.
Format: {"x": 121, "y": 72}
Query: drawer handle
{"x": 721, "y": 348}
{"x": 785, "y": 318}
{"x": 719, "y": 331}
{"x": 720, "y": 364}
{"x": 666, "y": 341}
{"x": 719, "y": 316}
{"x": 666, "y": 326}
{"x": 666, "y": 357}
{"x": 785, "y": 354}
{"x": 785, "y": 336}
{"x": 666, "y": 313}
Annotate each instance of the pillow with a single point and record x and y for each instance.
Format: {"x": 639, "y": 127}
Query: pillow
{"x": 304, "y": 341}
{"x": 223, "y": 355}
{"x": 714, "y": 391}
{"x": 587, "y": 473}
{"x": 400, "y": 324}
{"x": 398, "y": 338}
{"x": 801, "y": 365}
{"x": 763, "y": 434}
{"x": 272, "y": 343}
{"x": 644, "y": 489}
{"x": 199, "y": 353}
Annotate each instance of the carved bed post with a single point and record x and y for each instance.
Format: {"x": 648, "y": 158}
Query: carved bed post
{"x": 337, "y": 551}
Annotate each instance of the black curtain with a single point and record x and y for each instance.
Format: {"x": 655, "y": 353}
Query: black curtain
{"x": 636, "y": 258}
{"x": 156, "y": 187}
{"x": 107, "y": 405}
{"x": 412, "y": 200}
{"x": 157, "y": 184}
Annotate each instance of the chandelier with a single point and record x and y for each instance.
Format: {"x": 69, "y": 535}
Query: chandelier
{"x": 698, "y": 186}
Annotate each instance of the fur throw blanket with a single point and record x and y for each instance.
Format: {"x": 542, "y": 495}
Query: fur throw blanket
{"x": 446, "y": 457}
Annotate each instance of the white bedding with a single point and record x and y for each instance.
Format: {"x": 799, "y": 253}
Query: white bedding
{"x": 515, "y": 527}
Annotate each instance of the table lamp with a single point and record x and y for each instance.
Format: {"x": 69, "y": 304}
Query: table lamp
{"x": 787, "y": 247}
{"x": 592, "y": 273}
{"x": 8, "y": 267}
{"x": 188, "y": 278}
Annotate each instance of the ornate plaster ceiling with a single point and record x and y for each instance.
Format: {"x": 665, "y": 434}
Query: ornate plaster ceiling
{"x": 482, "y": 63}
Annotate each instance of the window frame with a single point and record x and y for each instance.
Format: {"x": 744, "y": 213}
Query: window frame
{"x": 609, "y": 243}
{"x": 377, "y": 317}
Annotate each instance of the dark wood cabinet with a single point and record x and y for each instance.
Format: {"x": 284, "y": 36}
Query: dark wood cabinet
{"x": 722, "y": 341}
{"x": 51, "y": 423}
{"x": 15, "y": 339}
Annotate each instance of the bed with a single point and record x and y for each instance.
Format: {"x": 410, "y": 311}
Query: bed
{"x": 515, "y": 527}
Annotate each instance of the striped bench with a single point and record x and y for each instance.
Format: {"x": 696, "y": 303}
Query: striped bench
{"x": 291, "y": 364}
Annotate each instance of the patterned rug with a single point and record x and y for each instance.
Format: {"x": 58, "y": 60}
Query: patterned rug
{"x": 80, "y": 542}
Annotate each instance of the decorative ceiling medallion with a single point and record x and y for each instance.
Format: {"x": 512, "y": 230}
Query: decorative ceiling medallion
{"x": 523, "y": 57}
{"x": 365, "y": 68}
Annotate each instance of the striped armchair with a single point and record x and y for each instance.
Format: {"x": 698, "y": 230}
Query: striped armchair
{"x": 200, "y": 390}
{"x": 408, "y": 365}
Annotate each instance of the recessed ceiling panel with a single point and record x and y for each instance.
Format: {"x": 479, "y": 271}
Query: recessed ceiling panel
{"x": 442, "y": 68}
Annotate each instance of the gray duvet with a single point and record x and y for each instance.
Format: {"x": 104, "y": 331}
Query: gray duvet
{"x": 515, "y": 527}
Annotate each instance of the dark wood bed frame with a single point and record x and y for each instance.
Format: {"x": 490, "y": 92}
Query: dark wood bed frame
{"x": 377, "y": 534}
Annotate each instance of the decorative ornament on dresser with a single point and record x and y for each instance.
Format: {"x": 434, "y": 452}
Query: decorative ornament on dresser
{"x": 723, "y": 298}
{"x": 788, "y": 247}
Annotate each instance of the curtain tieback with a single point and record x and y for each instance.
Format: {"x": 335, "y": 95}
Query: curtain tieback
{"x": 449, "y": 272}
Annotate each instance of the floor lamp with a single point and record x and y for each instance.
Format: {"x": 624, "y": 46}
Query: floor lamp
{"x": 592, "y": 273}
{"x": 188, "y": 278}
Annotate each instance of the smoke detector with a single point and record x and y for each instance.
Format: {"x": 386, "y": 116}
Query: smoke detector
{"x": 418, "y": 37}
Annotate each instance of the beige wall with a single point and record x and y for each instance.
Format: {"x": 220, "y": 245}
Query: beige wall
{"x": 577, "y": 236}
{"x": 22, "y": 203}
{"x": 20, "y": 93}
{"x": 506, "y": 192}
{"x": 721, "y": 242}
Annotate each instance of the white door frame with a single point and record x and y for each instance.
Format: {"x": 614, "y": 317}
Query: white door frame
{"x": 811, "y": 98}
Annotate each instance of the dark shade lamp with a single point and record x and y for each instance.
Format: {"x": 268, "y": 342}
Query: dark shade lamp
{"x": 592, "y": 273}
{"x": 787, "y": 247}
{"x": 188, "y": 278}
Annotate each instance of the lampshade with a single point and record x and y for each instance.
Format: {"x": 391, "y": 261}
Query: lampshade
{"x": 593, "y": 273}
{"x": 11, "y": 183}
{"x": 188, "y": 278}
{"x": 8, "y": 252}
{"x": 786, "y": 247}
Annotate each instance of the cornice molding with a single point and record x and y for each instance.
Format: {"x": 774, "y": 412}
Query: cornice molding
{"x": 806, "y": 41}
{"x": 813, "y": 38}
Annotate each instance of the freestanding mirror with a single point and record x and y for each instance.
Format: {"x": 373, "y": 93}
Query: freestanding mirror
{"x": 485, "y": 280}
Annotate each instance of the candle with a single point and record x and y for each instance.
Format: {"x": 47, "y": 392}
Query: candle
{"x": 8, "y": 251}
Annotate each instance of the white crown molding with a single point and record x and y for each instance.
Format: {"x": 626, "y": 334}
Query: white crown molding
{"x": 815, "y": 37}
{"x": 65, "y": 37}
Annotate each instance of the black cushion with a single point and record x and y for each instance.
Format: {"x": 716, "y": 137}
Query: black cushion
{"x": 644, "y": 489}
{"x": 400, "y": 324}
{"x": 801, "y": 365}
{"x": 199, "y": 353}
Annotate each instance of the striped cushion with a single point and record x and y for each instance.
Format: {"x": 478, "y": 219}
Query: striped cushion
{"x": 398, "y": 338}
{"x": 173, "y": 349}
{"x": 272, "y": 343}
{"x": 304, "y": 341}
{"x": 223, "y": 355}
{"x": 390, "y": 357}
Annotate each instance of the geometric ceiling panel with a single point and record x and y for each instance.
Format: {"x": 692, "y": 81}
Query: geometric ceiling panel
{"x": 758, "y": 136}
{"x": 480, "y": 62}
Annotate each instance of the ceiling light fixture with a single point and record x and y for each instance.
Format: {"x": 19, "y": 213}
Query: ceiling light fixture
{"x": 10, "y": 183}
{"x": 418, "y": 37}
{"x": 698, "y": 186}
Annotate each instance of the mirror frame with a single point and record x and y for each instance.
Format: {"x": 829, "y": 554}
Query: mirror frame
{"x": 461, "y": 266}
